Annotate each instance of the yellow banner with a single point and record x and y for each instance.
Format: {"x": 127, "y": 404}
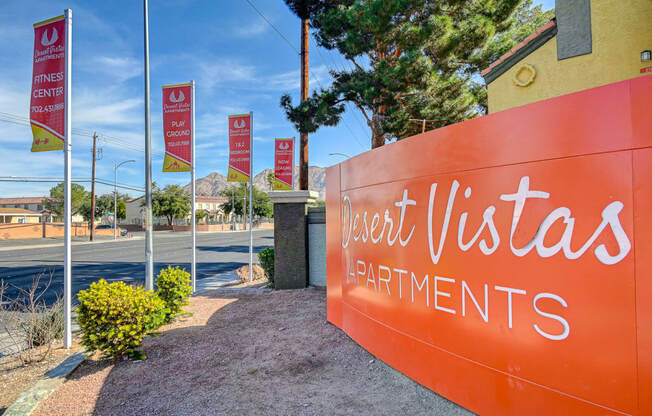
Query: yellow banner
{"x": 172, "y": 164}
{"x": 281, "y": 186}
{"x": 236, "y": 176}
{"x": 45, "y": 141}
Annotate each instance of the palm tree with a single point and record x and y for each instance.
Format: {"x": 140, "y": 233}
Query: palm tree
{"x": 270, "y": 180}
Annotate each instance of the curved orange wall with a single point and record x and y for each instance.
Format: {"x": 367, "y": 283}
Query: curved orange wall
{"x": 504, "y": 262}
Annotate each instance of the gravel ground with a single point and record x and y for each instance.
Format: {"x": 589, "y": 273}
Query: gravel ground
{"x": 247, "y": 352}
{"x": 15, "y": 378}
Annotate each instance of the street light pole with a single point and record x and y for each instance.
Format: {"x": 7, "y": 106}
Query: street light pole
{"x": 149, "y": 242}
{"x": 115, "y": 195}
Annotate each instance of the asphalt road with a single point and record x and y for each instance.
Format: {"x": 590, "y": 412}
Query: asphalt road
{"x": 125, "y": 260}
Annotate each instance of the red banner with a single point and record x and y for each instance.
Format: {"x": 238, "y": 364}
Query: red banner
{"x": 48, "y": 99}
{"x": 283, "y": 164}
{"x": 177, "y": 127}
{"x": 239, "y": 148}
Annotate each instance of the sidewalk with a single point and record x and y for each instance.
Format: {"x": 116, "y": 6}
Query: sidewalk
{"x": 27, "y": 243}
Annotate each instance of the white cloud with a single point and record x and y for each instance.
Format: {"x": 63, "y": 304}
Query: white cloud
{"x": 115, "y": 68}
{"x": 252, "y": 29}
{"x": 216, "y": 71}
{"x": 92, "y": 107}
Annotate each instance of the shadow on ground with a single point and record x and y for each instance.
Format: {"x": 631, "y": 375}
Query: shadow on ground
{"x": 85, "y": 273}
{"x": 248, "y": 352}
{"x": 231, "y": 249}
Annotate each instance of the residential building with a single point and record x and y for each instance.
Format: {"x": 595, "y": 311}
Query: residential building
{"x": 37, "y": 205}
{"x": 212, "y": 205}
{"x": 29, "y": 203}
{"x": 18, "y": 216}
{"x": 590, "y": 43}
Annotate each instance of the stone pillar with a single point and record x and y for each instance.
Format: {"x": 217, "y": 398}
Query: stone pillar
{"x": 291, "y": 238}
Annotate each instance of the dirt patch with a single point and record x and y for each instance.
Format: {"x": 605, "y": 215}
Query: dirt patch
{"x": 16, "y": 378}
{"x": 258, "y": 273}
{"x": 247, "y": 351}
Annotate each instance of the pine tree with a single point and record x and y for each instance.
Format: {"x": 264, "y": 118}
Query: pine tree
{"x": 411, "y": 59}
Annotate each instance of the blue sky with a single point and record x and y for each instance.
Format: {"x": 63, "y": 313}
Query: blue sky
{"x": 238, "y": 62}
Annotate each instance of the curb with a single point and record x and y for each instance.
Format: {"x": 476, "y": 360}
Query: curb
{"x": 74, "y": 243}
{"x": 215, "y": 282}
{"x": 29, "y": 400}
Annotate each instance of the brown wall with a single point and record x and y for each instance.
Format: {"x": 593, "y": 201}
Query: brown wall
{"x": 218, "y": 227}
{"x": 14, "y": 231}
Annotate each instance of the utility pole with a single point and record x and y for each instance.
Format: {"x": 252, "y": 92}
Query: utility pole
{"x": 303, "y": 138}
{"x": 93, "y": 188}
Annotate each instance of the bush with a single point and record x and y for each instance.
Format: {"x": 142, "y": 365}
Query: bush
{"x": 48, "y": 325}
{"x": 114, "y": 318}
{"x": 174, "y": 289}
{"x": 28, "y": 324}
{"x": 266, "y": 259}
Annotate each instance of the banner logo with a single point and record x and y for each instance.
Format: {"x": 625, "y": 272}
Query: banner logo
{"x": 284, "y": 145}
{"x": 178, "y": 99}
{"x": 47, "y": 42}
{"x": 239, "y": 124}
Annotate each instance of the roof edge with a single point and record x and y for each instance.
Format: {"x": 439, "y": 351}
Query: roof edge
{"x": 520, "y": 51}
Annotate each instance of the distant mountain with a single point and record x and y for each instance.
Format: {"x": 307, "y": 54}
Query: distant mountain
{"x": 212, "y": 184}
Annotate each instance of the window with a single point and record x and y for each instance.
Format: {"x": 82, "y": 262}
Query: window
{"x": 39, "y": 207}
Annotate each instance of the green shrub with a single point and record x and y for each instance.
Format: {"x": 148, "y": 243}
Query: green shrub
{"x": 114, "y": 318}
{"x": 266, "y": 259}
{"x": 175, "y": 289}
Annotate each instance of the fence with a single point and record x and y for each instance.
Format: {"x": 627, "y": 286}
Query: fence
{"x": 45, "y": 230}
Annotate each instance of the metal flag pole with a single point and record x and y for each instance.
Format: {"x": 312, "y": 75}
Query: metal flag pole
{"x": 67, "y": 206}
{"x": 149, "y": 257}
{"x": 251, "y": 193}
{"x": 193, "y": 267}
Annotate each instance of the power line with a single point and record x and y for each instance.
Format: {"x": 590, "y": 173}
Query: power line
{"x": 297, "y": 52}
{"x": 45, "y": 179}
{"x": 345, "y": 103}
{"x": 273, "y": 27}
{"x": 343, "y": 69}
{"x": 115, "y": 141}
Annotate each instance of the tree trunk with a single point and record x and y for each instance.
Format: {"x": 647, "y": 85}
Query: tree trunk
{"x": 377, "y": 134}
{"x": 377, "y": 140}
{"x": 303, "y": 138}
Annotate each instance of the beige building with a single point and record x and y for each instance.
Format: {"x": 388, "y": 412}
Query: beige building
{"x": 29, "y": 203}
{"x": 212, "y": 205}
{"x": 19, "y": 216}
{"x": 590, "y": 43}
{"x": 37, "y": 205}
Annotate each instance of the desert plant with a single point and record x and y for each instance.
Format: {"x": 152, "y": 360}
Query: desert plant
{"x": 28, "y": 322}
{"x": 116, "y": 317}
{"x": 48, "y": 325}
{"x": 174, "y": 289}
{"x": 266, "y": 258}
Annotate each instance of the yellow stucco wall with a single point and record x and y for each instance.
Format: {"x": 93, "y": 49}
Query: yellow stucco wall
{"x": 621, "y": 29}
{"x": 17, "y": 219}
